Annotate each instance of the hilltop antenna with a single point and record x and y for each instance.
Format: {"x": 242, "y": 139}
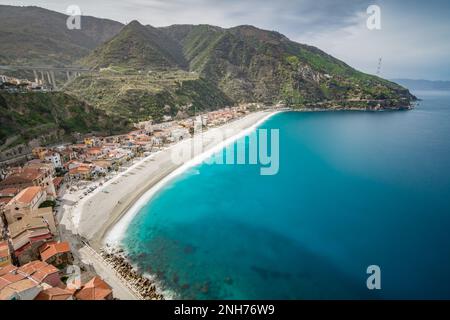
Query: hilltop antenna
{"x": 379, "y": 66}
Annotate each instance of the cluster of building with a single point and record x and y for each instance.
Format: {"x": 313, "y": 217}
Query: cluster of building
{"x": 42, "y": 279}
{"x": 33, "y": 264}
{"x": 12, "y": 84}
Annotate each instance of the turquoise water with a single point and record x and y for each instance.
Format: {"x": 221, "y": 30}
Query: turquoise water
{"x": 354, "y": 189}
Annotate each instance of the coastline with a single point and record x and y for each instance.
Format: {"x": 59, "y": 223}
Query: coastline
{"x": 97, "y": 223}
{"x": 94, "y": 217}
{"x": 115, "y": 233}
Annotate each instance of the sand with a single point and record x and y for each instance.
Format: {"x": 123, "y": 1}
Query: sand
{"x": 96, "y": 215}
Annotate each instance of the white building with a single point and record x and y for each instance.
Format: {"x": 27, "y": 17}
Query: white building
{"x": 55, "y": 159}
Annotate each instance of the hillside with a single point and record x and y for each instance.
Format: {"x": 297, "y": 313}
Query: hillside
{"x": 138, "y": 47}
{"x": 27, "y": 116}
{"x": 248, "y": 64}
{"x": 139, "y": 96}
{"x": 36, "y": 36}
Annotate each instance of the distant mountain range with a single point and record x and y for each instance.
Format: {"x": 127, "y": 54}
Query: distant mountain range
{"x": 412, "y": 84}
{"x": 141, "y": 71}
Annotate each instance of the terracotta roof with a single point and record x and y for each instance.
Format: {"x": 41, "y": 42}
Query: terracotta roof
{"x": 37, "y": 270}
{"x": 28, "y": 194}
{"x": 28, "y": 175}
{"x": 43, "y": 273}
{"x": 32, "y": 267}
{"x": 9, "y": 192}
{"x": 3, "y": 283}
{"x": 49, "y": 250}
{"x": 80, "y": 169}
{"x": 95, "y": 289}
{"x": 7, "y": 269}
{"x": 54, "y": 293}
{"x": 12, "y": 277}
{"x": 16, "y": 287}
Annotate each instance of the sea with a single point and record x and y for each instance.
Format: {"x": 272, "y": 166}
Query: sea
{"x": 354, "y": 191}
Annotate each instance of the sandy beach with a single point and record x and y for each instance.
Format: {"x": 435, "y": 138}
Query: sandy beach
{"x": 102, "y": 217}
{"x": 95, "y": 215}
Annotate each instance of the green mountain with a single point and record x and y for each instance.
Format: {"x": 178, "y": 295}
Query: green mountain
{"x": 249, "y": 64}
{"x": 138, "y": 47}
{"x": 36, "y": 36}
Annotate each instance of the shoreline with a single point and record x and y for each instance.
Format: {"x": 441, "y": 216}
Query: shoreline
{"x": 102, "y": 213}
{"x": 115, "y": 234}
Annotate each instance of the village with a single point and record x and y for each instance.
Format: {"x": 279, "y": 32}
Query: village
{"x": 37, "y": 262}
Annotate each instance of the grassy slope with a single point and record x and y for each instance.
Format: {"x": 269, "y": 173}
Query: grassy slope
{"x": 26, "y": 116}
{"x": 140, "y": 96}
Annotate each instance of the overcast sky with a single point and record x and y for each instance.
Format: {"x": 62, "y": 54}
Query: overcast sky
{"x": 414, "y": 40}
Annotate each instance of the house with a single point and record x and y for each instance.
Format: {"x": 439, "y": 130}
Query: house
{"x": 39, "y": 152}
{"x": 54, "y": 158}
{"x": 32, "y": 175}
{"x": 101, "y": 166}
{"x": 24, "y": 203}
{"x": 27, "y": 235}
{"x": 67, "y": 154}
{"x": 57, "y": 254}
{"x": 35, "y": 280}
{"x": 81, "y": 172}
{"x": 25, "y": 289}
{"x": 23, "y": 179}
{"x": 41, "y": 165}
{"x": 41, "y": 272}
{"x": 72, "y": 164}
{"x": 47, "y": 215}
{"x": 54, "y": 293}
{"x": 95, "y": 289}
{"x": 5, "y": 256}
{"x": 16, "y": 286}
{"x": 89, "y": 141}
{"x": 94, "y": 152}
